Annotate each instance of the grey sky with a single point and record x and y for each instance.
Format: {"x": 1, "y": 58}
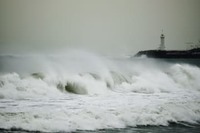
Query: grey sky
{"x": 110, "y": 26}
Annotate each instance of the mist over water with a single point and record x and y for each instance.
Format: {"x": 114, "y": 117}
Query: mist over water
{"x": 84, "y": 91}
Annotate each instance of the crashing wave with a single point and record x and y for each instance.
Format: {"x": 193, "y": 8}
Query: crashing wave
{"x": 88, "y": 92}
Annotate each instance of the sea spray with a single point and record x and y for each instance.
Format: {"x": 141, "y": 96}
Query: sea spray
{"x": 85, "y": 91}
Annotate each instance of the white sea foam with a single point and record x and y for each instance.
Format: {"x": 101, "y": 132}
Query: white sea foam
{"x": 84, "y": 91}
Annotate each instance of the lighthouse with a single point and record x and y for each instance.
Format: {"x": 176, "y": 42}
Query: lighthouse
{"x": 162, "y": 42}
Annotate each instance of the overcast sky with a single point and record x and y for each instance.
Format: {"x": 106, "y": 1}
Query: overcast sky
{"x": 109, "y": 26}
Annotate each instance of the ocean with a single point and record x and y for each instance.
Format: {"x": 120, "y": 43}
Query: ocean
{"x": 84, "y": 92}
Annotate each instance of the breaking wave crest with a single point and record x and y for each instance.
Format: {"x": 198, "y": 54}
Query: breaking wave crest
{"x": 94, "y": 92}
{"x": 90, "y": 74}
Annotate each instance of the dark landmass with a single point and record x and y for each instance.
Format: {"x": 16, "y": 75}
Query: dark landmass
{"x": 171, "y": 54}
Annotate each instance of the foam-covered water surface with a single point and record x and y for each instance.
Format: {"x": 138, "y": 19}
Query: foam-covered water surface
{"x": 84, "y": 91}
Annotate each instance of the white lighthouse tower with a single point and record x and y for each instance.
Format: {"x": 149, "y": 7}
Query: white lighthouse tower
{"x": 162, "y": 42}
